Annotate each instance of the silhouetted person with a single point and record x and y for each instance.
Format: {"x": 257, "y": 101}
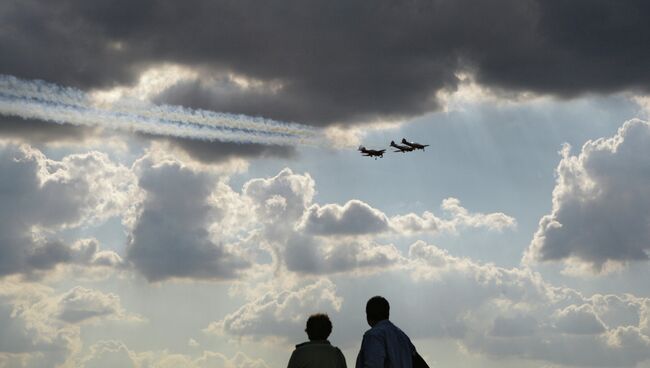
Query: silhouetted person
{"x": 317, "y": 352}
{"x": 385, "y": 345}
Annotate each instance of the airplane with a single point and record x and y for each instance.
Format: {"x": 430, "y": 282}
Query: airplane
{"x": 414, "y": 145}
{"x": 371, "y": 153}
{"x": 401, "y": 148}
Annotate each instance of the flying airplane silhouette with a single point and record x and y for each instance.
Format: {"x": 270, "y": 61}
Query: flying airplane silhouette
{"x": 414, "y": 145}
{"x": 371, "y": 152}
{"x": 401, "y": 148}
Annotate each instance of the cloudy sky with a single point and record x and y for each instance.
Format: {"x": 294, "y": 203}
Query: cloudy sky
{"x": 180, "y": 185}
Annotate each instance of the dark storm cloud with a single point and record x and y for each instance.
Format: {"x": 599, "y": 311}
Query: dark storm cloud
{"x": 575, "y": 47}
{"x": 37, "y": 131}
{"x": 337, "y": 61}
{"x": 216, "y": 151}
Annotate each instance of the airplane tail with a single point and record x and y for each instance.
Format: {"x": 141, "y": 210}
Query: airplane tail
{"x": 392, "y": 143}
{"x": 404, "y": 140}
{"x": 361, "y": 148}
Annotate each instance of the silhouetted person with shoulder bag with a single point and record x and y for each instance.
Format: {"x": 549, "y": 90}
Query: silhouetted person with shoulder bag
{"x": 384, "y": 345}
{"x": 317, "y": 352}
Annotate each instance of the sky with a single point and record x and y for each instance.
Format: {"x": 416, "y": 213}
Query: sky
{"x": 180, "y": 184}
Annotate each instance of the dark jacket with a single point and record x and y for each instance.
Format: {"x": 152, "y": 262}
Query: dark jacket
{"x": 317, "y": 354}
{"x": 385, "y": 346}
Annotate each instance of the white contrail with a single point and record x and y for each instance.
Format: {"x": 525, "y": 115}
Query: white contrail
{"x": 35, "y": 99}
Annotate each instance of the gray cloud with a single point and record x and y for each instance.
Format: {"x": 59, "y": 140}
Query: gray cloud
{"x": 332, "y": 61}
{"x": 170, "y": 237}
{"x": 25, "y": 343}
{"x": 353, "y": 218}
{"x": 358, "y": 218}
{"x": 40, "y": 193}
{"x": 282, "y": 198}
{"x": 516, "y": 326}
{"x": 215, "y": 152}
{"x": 109, "y": 353}
{"x": 619, "y": 310}
{"x": 455, "y": 218}
{"x": 579, "y": 320}
{"x": 81, "y": 304}
{"x": 36, "y": 131}
{"x": 309, "y": 255}
{"x": 40, "y": 329}
{"x": 312, "y": 239}
{"x": 574, "y": 48}
{"x": 280, "y": 312}
{"x": 309, "y": 238}
{"x": 516, "y": 313}
{"x": 114, "y": 353}
{"x": 15, "y": 335}
{"x": 192, "y": 224}
{"x": 601, "y": 203}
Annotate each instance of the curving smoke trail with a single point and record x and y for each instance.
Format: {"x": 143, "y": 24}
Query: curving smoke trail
{"x": 36, "y": 99}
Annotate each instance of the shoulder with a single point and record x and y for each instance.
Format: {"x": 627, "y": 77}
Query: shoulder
{"x": 370, "y": 335}
{"x": 311, "y": 346}
{"x": 339, "y": 354}
{"x": 403, "y": 336}
{"x": 393, "y": 327}
{"x": 300, "y": 349}
{"x": 340, "y": 357}
{"x": 375, "y": 331}
{"x": 374, "y": 335}
{"x": 380, "y": 329}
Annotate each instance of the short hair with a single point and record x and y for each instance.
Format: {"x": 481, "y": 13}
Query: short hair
{"x": 319, "y": 326}
{"x": 377, "y": 308}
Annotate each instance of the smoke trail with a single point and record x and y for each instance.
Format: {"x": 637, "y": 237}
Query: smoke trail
{"x": 35, "y": 99}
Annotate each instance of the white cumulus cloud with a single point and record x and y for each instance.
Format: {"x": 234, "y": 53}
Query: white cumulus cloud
{"x": 41, "y": 196}
{"x": 601, "y": 203}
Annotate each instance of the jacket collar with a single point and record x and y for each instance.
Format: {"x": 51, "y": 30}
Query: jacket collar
{"x": 383, "y": 322}
{"x": 314, "y": 342}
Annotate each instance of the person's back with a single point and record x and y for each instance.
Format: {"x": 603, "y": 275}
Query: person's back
{"x": 317, "y": 352}
{"x": 384, "y": 345}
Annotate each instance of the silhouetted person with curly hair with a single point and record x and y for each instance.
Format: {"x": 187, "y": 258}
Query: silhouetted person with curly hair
{"x": 317, "y": 352}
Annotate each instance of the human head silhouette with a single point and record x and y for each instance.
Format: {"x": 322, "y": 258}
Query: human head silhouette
{"x": 319, "y": 326}
{"x": 377, "y": 309}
